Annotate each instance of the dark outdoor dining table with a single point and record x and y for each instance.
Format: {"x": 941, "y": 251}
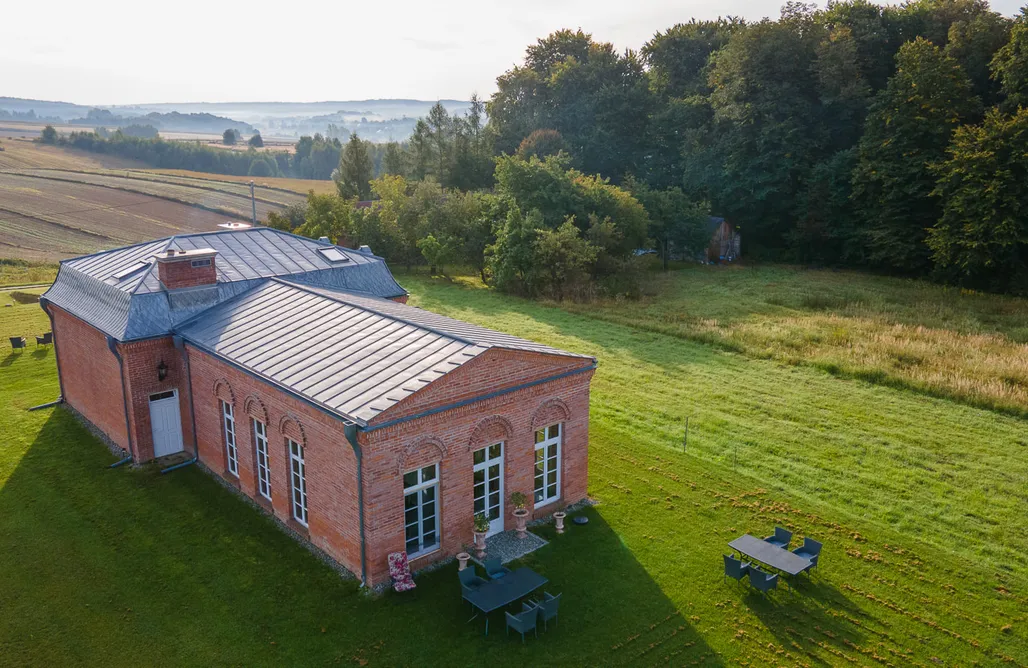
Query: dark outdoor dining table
{"x": 771, "y": 555}
{"x": 504, "y": 591}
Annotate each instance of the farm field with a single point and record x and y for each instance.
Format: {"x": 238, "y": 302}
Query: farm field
{"x": 302, "y": 186}
{"x": 219, "y": 200}
{"x": 918, "y": 499}
{"x": 46, "y": 220}
{"x": 26, "y": 154}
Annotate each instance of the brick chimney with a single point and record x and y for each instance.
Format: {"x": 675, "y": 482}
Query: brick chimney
{"x": 187, "y": 269}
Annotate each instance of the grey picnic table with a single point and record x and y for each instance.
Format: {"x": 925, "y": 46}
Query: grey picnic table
{"x": 504, "y": 591}
{"x": 771, "y": 555}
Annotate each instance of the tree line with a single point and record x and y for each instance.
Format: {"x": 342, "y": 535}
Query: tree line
{"x": 891, "y": 138}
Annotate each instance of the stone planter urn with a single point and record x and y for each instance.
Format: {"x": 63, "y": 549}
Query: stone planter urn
{"x": 559, "y": 517}
{"x": 462, "y": 559}
{"x": 480, "y": 544}
{"x": 521, "y": 515}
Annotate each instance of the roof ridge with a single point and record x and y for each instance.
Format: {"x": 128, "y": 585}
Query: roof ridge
{"x": 153, "y": 266}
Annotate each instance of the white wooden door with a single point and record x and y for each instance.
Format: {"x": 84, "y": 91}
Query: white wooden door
{"x": 165, "y": 423}
{"x": 488, "y": 490}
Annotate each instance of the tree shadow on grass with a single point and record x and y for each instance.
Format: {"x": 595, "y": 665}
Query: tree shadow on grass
{"x": 598, "y": 334}
{"x": 131, "y": 567}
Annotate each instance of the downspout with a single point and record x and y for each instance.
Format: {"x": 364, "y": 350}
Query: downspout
{"x": 181, "y": 345}
{"x": 112, "y": 345}
{"x": 350, "y": 429}
{"x": 44, "y": 303}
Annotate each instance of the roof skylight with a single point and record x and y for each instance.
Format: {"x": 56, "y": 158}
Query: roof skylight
{"x": 333, "y": 254}
{"x": 132, "y": 269}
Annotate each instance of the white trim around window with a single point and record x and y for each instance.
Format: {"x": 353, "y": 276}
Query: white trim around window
{"x": 547, "y": 464}
{"x": 260, "y": 439}
{"x": 298, "y": 481}
{"x": 231, "y": 455}
{"x": 421, "y": 510}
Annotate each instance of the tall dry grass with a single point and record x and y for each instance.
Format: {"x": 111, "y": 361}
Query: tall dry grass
{"x": 942, "y": 341}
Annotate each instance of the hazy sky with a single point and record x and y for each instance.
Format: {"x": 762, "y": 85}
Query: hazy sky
{"x": 121, "y": 52}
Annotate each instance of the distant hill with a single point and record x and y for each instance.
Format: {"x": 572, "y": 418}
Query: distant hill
{"x": 378, "y": 120}
{"x": 169, "y": 122}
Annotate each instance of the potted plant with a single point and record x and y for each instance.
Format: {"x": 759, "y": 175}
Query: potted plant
{"x": 481, "y": 529}
{"x": 462, "y": 558}
{"x": 559, "y": 516}
{"x": 518, "y": 499}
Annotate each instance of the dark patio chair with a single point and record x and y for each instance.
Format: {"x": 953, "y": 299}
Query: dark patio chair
{"x": 735, "y": 568}
{"x": 761, "y": 581}
{"x": 17, "y": 342}
{"x": 469, "y": 582}
{"x": 548, "y": 607}
{"x": 494, "y": 569}
{"x": 45, "y": 340}
{"x": 524, "y": 621}
{"x": 781, "y": 538}
{"x": 810, "y": 550}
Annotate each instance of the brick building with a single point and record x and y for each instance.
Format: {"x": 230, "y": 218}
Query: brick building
{"x": 294, "y": 370}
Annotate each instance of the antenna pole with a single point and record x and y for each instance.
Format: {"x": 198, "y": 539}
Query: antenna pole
{"x": 253, "y": 206}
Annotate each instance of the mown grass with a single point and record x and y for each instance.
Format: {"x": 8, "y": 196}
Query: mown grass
{"x": 938, "y": 340}
{"x": 919, "y": 502}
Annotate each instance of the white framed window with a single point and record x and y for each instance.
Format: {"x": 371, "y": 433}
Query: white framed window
{"x": 231, "y": 458}
{"x": 547, "y": 464}
{"x": 420, "y": 510}
{"x": 196, "y": 264}
{"x": 298, "y": 481}
{"x": 260, "y": 439}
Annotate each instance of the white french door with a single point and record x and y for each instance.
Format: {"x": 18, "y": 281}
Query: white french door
{"x": 489, "y": 485}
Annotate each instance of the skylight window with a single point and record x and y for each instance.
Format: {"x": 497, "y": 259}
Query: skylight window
{"x": 128, "y": 271}
{"x": 333, "y": 254}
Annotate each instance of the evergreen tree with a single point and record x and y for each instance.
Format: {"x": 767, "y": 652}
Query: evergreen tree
{"x": 353, "y": 178}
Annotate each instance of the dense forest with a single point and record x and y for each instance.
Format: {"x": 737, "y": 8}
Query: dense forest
{"x": 893, "y": 138}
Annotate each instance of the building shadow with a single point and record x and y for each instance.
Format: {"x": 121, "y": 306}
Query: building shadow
{"x": 174, "y": 568}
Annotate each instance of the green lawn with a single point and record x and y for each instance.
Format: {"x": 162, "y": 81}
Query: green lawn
{"x": 920, "y": 502}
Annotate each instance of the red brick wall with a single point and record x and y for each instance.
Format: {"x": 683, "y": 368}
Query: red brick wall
{"x": 91, "y": 378}
{"x": 90, "y": 375}
{"x": 141, "y": 359}
{"x": 402, "y": 299}
{"x": 331, "y": 466}
{"x": 182, "y": 274}
{"x": 448, "y": 438}
{"x": 92, "y": 385}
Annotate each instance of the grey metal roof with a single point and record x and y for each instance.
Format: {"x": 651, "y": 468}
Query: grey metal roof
{"x": 356, "y": 355}
{"x": 99, "y": 289}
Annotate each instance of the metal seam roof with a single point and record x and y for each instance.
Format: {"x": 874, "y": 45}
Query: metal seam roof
{"x": 355, "y": 355}
{"x": 86, "y": 287}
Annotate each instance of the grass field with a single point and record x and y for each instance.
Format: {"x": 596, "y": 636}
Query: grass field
{"x": 941, "y": 341}
{"x": 919, "y": 500}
